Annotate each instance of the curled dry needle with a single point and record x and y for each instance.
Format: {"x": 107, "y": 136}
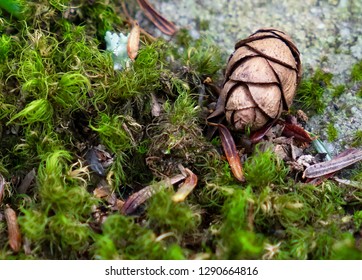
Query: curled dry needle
{"x": 13, "y": 229}
{"x": 231, "y": 152}
{"x": 347, "y": 158}
{"x": 133, "y": 41}
{"x": 161, "y": 23}
{"x": 187, "y": 187}
{"x": 138, "y": 198}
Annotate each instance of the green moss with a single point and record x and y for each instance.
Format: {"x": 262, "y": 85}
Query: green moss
{"x": 346, "y": 249}
{"x": 39, "y": 110}
{"x": 305, "y": 243}
{"x": 357, "y": 218}
{"x": 356, "y": 76}
{"x": 5, "y": 47}
{"x": 356, "y": 72}
{"x": 310, "y": 91}
{"x": 201, "y": 56}
{"x": 14, "y": 7}
{"x": 238, "y": 241}
{"x": 122, "y": 238}
{"x": 359, "y": 92}
{"x": 332, "y": 132}
{"x": 183, "y": 111}
{"x": 357, "y": 176}
{"x": 338, "y": 90}
{"x": 178, "y": 218}
{"x": 57, "y": 226}
{"x": 72, "y": 91}
{"x": 357, "y": 139}
{"x": 264, "y": 168}
{"x": 112, "y": 133}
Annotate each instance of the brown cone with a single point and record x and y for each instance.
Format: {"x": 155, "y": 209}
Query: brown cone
{"x": 261, "y": 79}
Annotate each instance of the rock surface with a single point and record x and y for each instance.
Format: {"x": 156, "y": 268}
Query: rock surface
{"x": 328, "y": 34}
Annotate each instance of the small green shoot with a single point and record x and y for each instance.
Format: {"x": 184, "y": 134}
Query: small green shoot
{"x": 332, "y": 132}
{"x": 357, "y": 139}
{"x": 39, "y": 110}
{"x": 310, "y": 91}
{"x": 338, "y": 90}
{"x": 264, "y": 168}
{"x": 356, "y": 73}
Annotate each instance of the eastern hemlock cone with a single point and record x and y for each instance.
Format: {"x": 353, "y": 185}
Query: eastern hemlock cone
{"x": 260, "y": 80}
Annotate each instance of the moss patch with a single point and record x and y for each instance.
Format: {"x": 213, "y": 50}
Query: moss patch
{"x": 311, "y": 90}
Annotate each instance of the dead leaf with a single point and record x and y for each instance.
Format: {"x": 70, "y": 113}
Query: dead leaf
{"x": 282, "y": 152}
{"x": 25, "y": 184}
{"x": 14, "y": 234}
{"x": 119, "y": 204}
{"x": 161, "y": 23}
{"x": 26, "y": 246}
{"x": 103, "y": 191}
{"x": 297, "y": 132}
{"x": 296, "y": 152}
{"x": 155, "y": 108}
{"x": 256, "y": 136}
{"x": 189, "y": 184}
{"x": 138, "y": 198}
{"x": 343, "y": 160}
{"x": 2, "y": 187}
{"x": 133, "y": 41}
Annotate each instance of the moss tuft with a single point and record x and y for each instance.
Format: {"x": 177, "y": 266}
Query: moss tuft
{"x": 338, "y": 90}
{"x": 16, "y": 8}
{"x": 118, "y": 242}
{"x": 178, "y": 218}
{"x": 356, "y": 72}
{"x": 310, "y": 91}
{"x": 200, "y": 56}
{"x": 357, "y": 139}
{"x": 264, "y": 168}
{"x": 238, "y": 241}
{"x": 332, "y": 132}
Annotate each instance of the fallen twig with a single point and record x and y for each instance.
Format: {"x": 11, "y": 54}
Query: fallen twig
{"x": 157, "y": 19}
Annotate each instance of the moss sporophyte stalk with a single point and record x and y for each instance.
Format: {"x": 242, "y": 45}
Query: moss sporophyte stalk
{"x": 65, "y": 111}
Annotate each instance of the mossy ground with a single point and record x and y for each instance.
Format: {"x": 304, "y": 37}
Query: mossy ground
{"x": 59, "y": 96}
